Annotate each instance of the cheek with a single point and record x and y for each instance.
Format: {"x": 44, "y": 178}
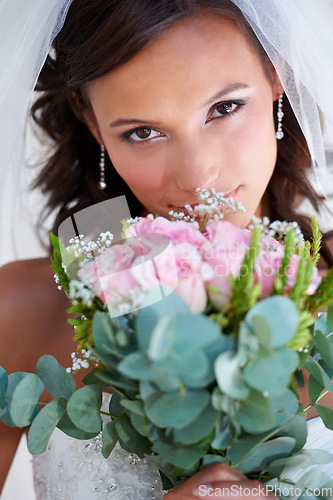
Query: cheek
{"x": 138, "y": 172}
{"x": 257, "y": 147}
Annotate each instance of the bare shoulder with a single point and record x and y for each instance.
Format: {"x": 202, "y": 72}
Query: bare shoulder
{"x": 32, "y": 315}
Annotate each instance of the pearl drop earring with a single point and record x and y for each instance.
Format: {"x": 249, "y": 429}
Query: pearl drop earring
{"x": 279, "y": 133}
{"x": 102, "y": 184}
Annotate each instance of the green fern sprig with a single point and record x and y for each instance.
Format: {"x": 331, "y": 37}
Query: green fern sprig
{"x": 316, "y": 240}
{"x": 244, "y": 293}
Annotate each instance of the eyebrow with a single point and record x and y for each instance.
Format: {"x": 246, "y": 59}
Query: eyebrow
{"x": 227, "y": 90}
{"x": 221, "y": 93}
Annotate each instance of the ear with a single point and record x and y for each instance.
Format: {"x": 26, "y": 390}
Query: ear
{"x": 86, "y": 115}
{"x": 92, "y": 125}
{"x": 277, "y": 88}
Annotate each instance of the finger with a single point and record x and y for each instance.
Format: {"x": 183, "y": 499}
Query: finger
{"x": 210, "y": 474}
{"x": 231, "y": 490}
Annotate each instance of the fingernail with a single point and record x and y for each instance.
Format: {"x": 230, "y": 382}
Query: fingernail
{"x": 203, "y": 490}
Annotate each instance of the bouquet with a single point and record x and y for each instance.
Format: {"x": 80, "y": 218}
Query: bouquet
{"x": 202, "y": 330}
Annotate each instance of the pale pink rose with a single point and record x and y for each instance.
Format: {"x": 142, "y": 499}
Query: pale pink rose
{"x": 185, "y": 273}
{"x": 109, "y": 274}
{"x": 177, "y": 231}
{"x": 268, "y": 264}
{"x": 224, "y": 252}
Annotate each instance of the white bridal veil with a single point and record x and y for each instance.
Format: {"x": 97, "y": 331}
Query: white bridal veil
{"x": 295, "y": 36}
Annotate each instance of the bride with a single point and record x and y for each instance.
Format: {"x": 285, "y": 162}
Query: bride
{"x": 152, "y": 99}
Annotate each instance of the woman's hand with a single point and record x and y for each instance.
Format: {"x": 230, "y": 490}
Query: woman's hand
{"x": 219, "y": 481}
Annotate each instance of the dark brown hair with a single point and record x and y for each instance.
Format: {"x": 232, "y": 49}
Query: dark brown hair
{"x": 100, "y": 36}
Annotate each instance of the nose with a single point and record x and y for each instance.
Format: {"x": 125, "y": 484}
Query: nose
{"x": 197, "y": 165}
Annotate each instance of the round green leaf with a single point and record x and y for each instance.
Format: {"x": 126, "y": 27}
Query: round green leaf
{"x": 57, "y": 381}
{"x": 199, "y": 428}
{"x": 138, "y": 367}
{"x": 13, "y": 380}
{"x": 179, "y": 409}
{"x": 3, "y": 387}
{"x": 135, "y": 442}
{"x": 109, "y": 438}
{"x": 181, "y": 456}
{"x": 271, "y": 372}
{"x": 67, "y": 427}
{"x": 44, "y": 424}
{"x": 148, "y": 317}
{"x": 280, "y": 314}
{"x": 229, "y": 377}
{"x": 285, "y": 405}
{"x": 103, "y": 333}
{"x": 24, "y": 404}
{"x": 255, "y": 414}
{"x": 83, "y": 408}
{"x": 259, "y": 457}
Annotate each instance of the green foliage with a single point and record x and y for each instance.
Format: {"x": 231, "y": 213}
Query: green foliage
{"x": 44, "y": 424}
{"x": 316, "y": 241}
{"x": 194, "y": 389}
{"x": 244, "y": 294}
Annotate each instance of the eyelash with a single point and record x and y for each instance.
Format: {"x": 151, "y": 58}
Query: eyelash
{"x": 239, "y": 103}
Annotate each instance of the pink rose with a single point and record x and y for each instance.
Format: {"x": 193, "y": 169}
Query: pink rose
{"x": 109, "y": 275}
{"x": 224, "y": 252}
{"x": 177, "y": 231}
{"x": 184, "y": 271}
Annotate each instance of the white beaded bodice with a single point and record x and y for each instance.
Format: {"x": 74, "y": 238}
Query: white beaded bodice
{"x": 71, "y": 469}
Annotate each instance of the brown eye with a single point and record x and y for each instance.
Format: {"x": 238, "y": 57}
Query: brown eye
{"x": 225, "y": 107}
{"x": 143, "y": 133}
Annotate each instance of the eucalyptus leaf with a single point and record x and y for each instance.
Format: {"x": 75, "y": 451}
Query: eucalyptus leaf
{"x": 329, "y": 317}
{"x": 280, "y": 313}
{"x": 24, "y": 404}
{"x": 148, "y": 317}
{"x": 259, "y": 458}
{"x": 229, "y": 377}
{"x": 138, "y": 423}
{"x": 295, "y": 426}
{"x": 109, "y": 439}
{"x": 67, "y": 427}
{"x": 103, "y": 333}
{"x": 3, "y": 387}
{"x": 138, "y": 367}
{"x": 181, "y": 456}
{"x": 179, "y": 409}
{"x": 326, "y": 414}
{"x": 223, "y": 433}
{"x": 191, "y": 364}
{"x": 324, "y": 346}
{"x": 284, "y": 405}
{"x": 272, "y": 372}
{"x": 318, "y": 373}
{"x": 83, "y": 408}
{"x": 315, "y": 388}
{"x": 133, "y": 406}
{"x": 134, "y": 441}
{"x": 13, "y": 380}
{"x": 255, "y": 414}
{"x": 44, "y": 424}
{"x": 198, "y": 429}
{"x": 115, "y": 408}
{"x": 322, "y": 325}
{"x": 57, "y": 381}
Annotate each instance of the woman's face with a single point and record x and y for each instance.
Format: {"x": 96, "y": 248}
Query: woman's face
{"x": 194, "y": 109}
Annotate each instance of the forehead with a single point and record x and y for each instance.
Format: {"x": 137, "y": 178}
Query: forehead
{"x": 193, "y": 56}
